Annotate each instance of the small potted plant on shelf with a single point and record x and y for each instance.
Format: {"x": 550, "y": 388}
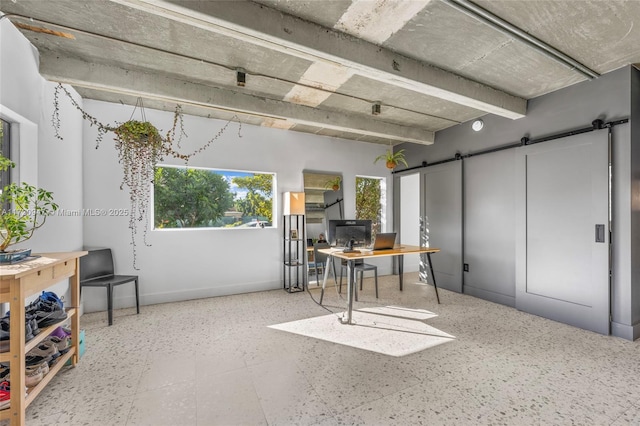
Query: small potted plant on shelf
{"x": 392, "y": 159}
{"x": 24, "y": 209}
{"x": 334, "y": 184}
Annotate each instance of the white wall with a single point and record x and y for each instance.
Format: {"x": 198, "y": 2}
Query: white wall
{"x": 182, "y": 265}
{"x": 26, "y": 100}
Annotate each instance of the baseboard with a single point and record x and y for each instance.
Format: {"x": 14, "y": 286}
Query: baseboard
{"x": 491, "y": 296}
{"x": 94, "y": 300}
{"x": 99, "y": 302}
{"x": 625, "y": 331}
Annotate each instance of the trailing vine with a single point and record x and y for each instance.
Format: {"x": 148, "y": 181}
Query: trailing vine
{"x": 140, "y": 146}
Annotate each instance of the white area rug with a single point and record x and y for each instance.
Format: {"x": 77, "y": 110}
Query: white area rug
{"x": 389, "y": 330}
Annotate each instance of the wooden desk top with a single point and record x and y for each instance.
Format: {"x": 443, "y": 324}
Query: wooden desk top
{"x": 398, "y": 250}
{"x": 17, "y": 270}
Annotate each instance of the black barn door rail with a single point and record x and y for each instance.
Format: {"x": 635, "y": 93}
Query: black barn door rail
{"x": 595, "y": 125}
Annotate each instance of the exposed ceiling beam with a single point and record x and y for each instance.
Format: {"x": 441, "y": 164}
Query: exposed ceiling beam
{"x": 152, "y": 86}
{"x": 271, "y": 29}
{"x": 377, "y": 20}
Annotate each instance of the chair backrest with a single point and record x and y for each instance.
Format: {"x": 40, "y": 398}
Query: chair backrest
{"x": 320, "y": 257}
{"x": 98, "y": 263}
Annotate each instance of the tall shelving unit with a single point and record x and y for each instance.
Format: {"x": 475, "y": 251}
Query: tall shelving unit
{"x": 294, "y": 252}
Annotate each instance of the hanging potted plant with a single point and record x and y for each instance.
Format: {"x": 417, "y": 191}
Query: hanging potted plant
{"x": 392, "y": 159}
{"x": 333, "y": 184}
{"x": 24, "y": 209}
{"x": 140, "y": 146}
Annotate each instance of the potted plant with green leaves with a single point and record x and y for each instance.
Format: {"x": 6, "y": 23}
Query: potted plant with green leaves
{"x": 333, "y": 184}
{"x": 392, "y": 159}
{"x": 25, "y": 208}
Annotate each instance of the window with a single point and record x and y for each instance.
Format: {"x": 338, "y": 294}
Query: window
{"x": 5, "y": 151}
{"x": 207, "y": 198}
{"x": 5, "y": 157}
{"x": 370, "y": 196}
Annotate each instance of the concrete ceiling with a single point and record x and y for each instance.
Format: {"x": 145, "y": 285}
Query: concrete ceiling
{"x": 320, "y": 66}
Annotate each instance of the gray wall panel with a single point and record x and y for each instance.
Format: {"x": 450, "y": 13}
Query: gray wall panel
{"x": 489, "y": 226}
{"x": 635, "y": 201}
{"x": 621, "y": 219}
{"x": 442, "y": 186}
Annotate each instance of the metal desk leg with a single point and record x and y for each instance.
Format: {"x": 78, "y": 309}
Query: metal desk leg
{"x": 433, "y": 277}
{"x": 350, "y": 290}
{"x": 401, "y": 268}
{"x": 326, "y": 275}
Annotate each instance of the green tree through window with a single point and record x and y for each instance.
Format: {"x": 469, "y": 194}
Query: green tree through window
{"x": 368, "y": 194}
{"x": 189, "y": 198}
{"x": 196, "y": 198}
{"x": 5, "y": 160}
{"x": 258, "y": 201}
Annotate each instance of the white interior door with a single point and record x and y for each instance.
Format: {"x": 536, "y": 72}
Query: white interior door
{"x": 562, "y": 242}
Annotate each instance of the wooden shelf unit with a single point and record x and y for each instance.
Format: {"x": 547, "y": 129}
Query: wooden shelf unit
{"x": 17, "y": 282}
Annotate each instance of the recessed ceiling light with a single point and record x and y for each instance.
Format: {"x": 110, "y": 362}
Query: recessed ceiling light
{"x": 477, "y": 125}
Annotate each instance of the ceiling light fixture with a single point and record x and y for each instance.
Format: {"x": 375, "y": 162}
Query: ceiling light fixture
{"x": 241, "y": 77}
{"x": 375, "y": 108}
{"x": 477, "y": 125}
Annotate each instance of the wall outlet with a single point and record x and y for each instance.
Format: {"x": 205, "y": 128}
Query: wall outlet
{"x": 466, "y": 267}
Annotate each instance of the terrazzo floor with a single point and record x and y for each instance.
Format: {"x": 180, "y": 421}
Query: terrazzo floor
{"x": 215, "y": 362}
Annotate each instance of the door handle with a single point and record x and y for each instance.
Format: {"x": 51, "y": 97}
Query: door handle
{"x": 600, "y": 233}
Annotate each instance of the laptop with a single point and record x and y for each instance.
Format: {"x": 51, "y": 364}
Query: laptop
{"x": 384, "y": 241}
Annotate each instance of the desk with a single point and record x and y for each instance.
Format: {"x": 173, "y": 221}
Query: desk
{"x": 398, "y": 250}
{"x": 17, "y": 282}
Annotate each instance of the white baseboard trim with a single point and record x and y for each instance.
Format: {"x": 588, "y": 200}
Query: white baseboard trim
{"x": 97, "y": 300}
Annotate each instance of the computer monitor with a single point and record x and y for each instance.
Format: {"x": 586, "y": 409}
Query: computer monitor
{"x": 342, "y": 231}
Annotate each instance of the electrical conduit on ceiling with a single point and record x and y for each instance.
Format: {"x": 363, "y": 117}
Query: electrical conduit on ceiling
{"x": 499, "y": 24}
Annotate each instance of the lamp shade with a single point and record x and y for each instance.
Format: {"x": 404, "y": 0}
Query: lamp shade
{"x": 293, "y": 203}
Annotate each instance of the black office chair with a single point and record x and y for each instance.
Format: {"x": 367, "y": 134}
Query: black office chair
{"x": 96, "y": 270}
